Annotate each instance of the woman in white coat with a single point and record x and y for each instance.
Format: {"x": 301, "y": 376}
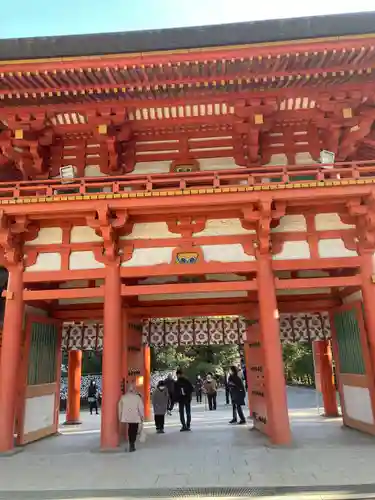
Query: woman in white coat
{"x": 131, "y": 412}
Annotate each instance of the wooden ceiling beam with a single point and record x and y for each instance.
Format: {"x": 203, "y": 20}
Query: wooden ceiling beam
{"x": 290, "y": 74}
{"x": 51, "y": 109}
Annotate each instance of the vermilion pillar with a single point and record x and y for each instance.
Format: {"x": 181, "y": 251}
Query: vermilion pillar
{"x": 125, "y": 346}
{"x": 74, "y": 388}
{"x": 246, "y": 349}
{"x": 147, "y": 380}
{"x": 10, "y": 357}
{"x": 112, "y": 347}
{"x": 277, "y": 406}
{"x": 368, "y": 295}
{"x": 324, "y": 370}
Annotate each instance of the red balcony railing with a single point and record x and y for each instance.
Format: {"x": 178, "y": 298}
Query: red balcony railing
{"x": 247, "y": 177}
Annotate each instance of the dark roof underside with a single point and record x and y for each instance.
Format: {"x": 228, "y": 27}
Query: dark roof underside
{"x": 189, "y": 38}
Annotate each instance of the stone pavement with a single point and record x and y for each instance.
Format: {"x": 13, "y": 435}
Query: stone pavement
{"x": 324, "y": 454}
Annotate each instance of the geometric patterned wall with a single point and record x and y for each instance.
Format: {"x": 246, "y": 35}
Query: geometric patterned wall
{"x": 302, "y": 327}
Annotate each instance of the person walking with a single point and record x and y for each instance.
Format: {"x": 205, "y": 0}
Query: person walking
{"x": 210, "y": 388}
{"x": 198, "y": 388}
{"x": 92, "y": 397}
{"x": 237, "y": 392}
{"x": 131, "y": 412}
{"x": 184, "y": 391}
{"x": 227, "y": 391}
{"x": 160, "y": 401}
{"x": 170, "y": 385}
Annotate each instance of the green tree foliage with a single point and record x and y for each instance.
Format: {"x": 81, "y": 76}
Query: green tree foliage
{"x": 299, "y": 363}
{"x": 195, "y": 360}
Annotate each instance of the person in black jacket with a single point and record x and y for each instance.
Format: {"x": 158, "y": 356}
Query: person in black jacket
{"x": 237, "y": 393}
{"x": 183, "y": 392}
{"x": 92, "y": 397}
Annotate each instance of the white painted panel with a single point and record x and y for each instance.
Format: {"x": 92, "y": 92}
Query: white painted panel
{"x": 83, "y": 234}
{"x": 150, "y": 257}
{"x": 358, "y": 403}
{"x": 75, "y": 284}
{"x": 192, "y": 295}
{"x": 84, "y": 300}
{"x": 291, "y": 223}
{"x": 39, "y": 413}
{"x": 293, "y": 250}
{"x": 353, "y": 297}
{"x": 226, "y": 253}
{"x": 306, "y": 291}
{"x": 93, "y": 171}
{"x": 223, "y": 227}
{"x": 225, "y": 277}
{"x": 35, "y": 310}
{"x": 278, "y": 159}
{"x": 326, "y": 222}
{"x": 304, "y": 158}
{"x": 334, "y": 248}
{"x": 152, "y": 167}
{"x": 158, "y": 280}
{"x": 218, "y": 164}
{"x": 150, "y": 231}
{"x": 84, "y": 260}
{"x": 47, "y": 236}
{"x": 46, "y": 262}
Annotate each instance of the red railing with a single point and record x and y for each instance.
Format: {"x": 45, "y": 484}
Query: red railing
{"x": 254, "y": 176}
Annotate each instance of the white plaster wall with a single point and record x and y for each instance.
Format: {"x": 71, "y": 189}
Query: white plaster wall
{"x": 158, "y": 280}
{"x": 192, "y": 295}
{"x": 93, "y": 171}
{"x": 358, "y": 404}
{"x": 47, "y": 236}
{"x": 84, "y": 260}
{"x": 309, "y": 273}
{"x": 75, "y": 284}
{"x": 39, "y": 413}
{"x": 206, "y": 164}
{"x": 35, "y": 310}
{"x": 152, "y": 167}
{"x": 83, "y": 300}
{"x": 307, "y": 291}
{"x": 353, "y": 297}
{"x": 225, "y": 277}
{"x": 226, "y": 253}
{"x": 277, "y": 159}
{"x": 150, "y": 257}
{"x": 218, "y": 164}
{"x": 334, "y": 248}
{"x": 224, "y": 227}
{"x": 291, "y": 223}
{"x": 46, "y": 262}
{"x": 326, "y": 222}
{"x": 304, "y": 158}
{"x": 84, "y": 234}
{"x": 150, "y": 231}
{"x": 293, "y": 250}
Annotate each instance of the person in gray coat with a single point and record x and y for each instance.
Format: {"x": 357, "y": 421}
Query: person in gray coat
{"x": 160, "y": 402}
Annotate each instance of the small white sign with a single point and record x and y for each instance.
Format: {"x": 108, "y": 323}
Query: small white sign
{"x": 68, "y": 173}
{"x": 327, "y": 157}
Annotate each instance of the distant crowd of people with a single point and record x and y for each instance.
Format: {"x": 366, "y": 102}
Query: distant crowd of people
{"x": 180, "y": 391}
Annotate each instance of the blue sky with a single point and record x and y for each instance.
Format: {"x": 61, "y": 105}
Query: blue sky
{"x": 27, "y": 18}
